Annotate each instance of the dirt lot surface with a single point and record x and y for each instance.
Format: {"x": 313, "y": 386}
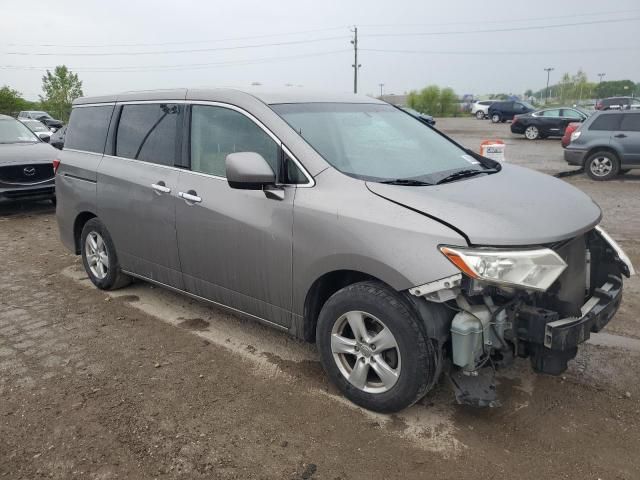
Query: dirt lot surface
{"x": 145, "y": 383}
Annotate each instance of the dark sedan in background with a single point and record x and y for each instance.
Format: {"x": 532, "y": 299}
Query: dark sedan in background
{"x": 26, "y": 163}
{"x": 550, "y": 122}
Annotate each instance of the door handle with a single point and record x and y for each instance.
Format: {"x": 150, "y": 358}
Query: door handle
{"x": 160, "y": 187}
{"x": 620, "y": 135}
{"x": 190, "y": 196}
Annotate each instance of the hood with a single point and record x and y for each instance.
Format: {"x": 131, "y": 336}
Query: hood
{"x": 16, "y": 153}
{"x": 515, "y": 206}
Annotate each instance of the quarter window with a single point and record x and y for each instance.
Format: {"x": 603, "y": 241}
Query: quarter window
{"x": 148, "y": 132}
{"x": 630, "y": 123}
{"x": 217, "y": 131}
{"x": 88, "y": 128}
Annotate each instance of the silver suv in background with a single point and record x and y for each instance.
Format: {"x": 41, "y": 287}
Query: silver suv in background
{"x": 606, "y": 144}
{"x": 480, "y": 109}
{"x": 345, "y": 222}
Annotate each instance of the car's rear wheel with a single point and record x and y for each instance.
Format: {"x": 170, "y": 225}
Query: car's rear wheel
{"x": 480, "y": 115}
{"x": 99, "y": 257}
{"x": 532, "y": 132}
{"x": 602, "y": 165}
{"x": 496, "y": 118}
{"x": 373, "y": 349}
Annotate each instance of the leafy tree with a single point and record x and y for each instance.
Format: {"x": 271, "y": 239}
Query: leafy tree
{"x": 11, "y": 101}
{"x": 614, "y": 88}
{"x": 448, "y": 102}
{"x": 60, "y": 89}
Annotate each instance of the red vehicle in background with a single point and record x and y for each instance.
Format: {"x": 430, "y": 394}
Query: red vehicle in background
{"x": 566, "y": 138}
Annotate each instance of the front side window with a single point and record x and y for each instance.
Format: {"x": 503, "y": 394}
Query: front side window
{"x": 217, "y": 131}
{"x": 148, "y": 132}
{"x": 630, "y": 123}
{"x": 375, "y": 142}
{"x": 13, "y": 131}
{"x": 88, "y": 128}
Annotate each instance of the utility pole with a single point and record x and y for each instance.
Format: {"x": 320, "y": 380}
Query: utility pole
{"x": 548, "y": 70}
{"x": 600, "y": 75}
{"x": 355, "y": 65}
{"x": 381, "y": 87}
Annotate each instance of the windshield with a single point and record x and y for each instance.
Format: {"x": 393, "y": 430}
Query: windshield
{"x": 12, "y": 131}
{"x": 376, "y": 142}
{"x": 35, "y": 126}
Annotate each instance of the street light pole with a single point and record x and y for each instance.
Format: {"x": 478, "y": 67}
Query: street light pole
{"x": 355, "y": 65}
{"x": 600, "y": 75}
{"x": 548, "y": 70}
{"x": 381, "y": 86}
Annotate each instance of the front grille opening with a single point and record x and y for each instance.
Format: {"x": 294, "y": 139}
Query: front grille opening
{"x": 26, "y": 174}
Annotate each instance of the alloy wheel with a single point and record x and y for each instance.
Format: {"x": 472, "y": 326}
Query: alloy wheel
{"x": 97, "y": 256}
{"x": 480, "y": 115}
{"x": 531, "y": 133}
{"x": 601, "y": 166}
{"x": 366, "y": 352}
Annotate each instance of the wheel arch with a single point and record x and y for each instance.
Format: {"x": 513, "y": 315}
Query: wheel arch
{"x": 320, "y": 291}
{"x": 78, "y": 224}
{"x": 601, "y": 148}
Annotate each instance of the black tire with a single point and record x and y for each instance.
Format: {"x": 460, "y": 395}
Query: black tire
{"x": 114, "y": 278}
{"x": 416, "y": 357}
{"x": 496, "y": 118}
{"x": 480, "y": 115}
{"x": 602, "y": 165}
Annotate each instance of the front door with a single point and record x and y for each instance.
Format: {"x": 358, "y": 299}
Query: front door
{"x": 235, "y": 245}
{"x": 136, "y": 191}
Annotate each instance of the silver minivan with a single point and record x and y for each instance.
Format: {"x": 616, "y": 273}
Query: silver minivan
{"x": 346, "y": 222}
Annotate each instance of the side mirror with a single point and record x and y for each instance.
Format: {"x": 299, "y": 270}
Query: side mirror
{"x": 248, "y": 171}
{"x": 44, "y": 137}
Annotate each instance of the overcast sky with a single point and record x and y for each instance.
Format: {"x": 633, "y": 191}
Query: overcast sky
{"x": 117, "y": 45}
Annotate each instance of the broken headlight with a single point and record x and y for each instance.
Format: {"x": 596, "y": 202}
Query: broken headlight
{"x": 534, "y": 269}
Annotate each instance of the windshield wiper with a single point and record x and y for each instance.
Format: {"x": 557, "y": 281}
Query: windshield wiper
{"x": 463, "y": 174}
{"x": 407, "y": 182}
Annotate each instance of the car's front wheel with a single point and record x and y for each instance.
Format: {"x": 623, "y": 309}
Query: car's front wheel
{"x": 99, "y": 257}
{"x": 602, "y": 165}
{"x": 373, "y": 349}
{"x": 496, "y": 118}
{"x": 480, "y": 115}
{"x": 532, "y": 132}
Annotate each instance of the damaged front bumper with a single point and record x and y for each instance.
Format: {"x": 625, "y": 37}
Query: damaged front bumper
{"x": 495, "y": 323}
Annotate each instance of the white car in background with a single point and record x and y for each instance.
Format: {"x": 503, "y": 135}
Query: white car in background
{"x": 480, "y": 109}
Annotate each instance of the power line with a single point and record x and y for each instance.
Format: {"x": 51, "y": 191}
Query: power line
{"x": 188, "y": 66}
{"x": 503, "y": 52}
{"x": 495, "y": 30}
{"x": 510, "y": 20}
{"x": 164, "y": 44}
{"x": 165, "y": 52}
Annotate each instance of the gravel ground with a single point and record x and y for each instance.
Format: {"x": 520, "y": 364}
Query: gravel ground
{"x": 145, "y": 383}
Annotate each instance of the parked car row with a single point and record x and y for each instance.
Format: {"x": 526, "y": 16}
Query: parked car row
{"x": 42, "y": 117}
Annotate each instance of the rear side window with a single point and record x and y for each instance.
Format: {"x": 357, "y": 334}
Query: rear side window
{"x": 148, "y": 132}
{"x": 216, "y": 132}
{"x": 551, "y": 113}
{"x": 630, "y": 123}
{"x": 88, "y": 127}
{"x": 606, "y": 122}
